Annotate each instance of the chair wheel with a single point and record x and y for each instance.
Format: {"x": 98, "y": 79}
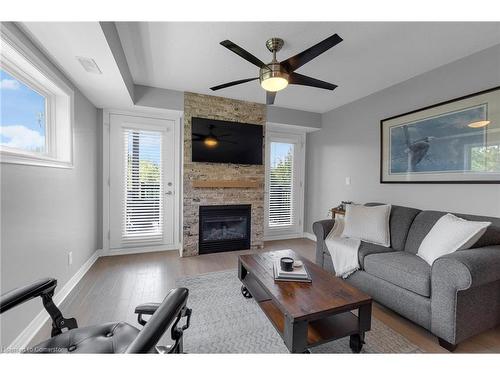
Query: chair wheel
{"x": 245, "y": 292}
{"x": 356, "y": 343}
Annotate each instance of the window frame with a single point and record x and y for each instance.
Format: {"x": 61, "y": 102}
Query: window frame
{"x": 22, "y": 63}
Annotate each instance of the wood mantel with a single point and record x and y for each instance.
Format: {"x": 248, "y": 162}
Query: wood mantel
{"x": 235, "y": 184}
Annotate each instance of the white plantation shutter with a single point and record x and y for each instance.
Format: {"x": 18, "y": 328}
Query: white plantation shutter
{"x": 143, "y": 189}
{"x": 281, "y": 197}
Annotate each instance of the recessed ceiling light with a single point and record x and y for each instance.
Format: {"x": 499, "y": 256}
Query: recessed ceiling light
{"x": 479, "y": 124}
{"x": 89, "y": 65}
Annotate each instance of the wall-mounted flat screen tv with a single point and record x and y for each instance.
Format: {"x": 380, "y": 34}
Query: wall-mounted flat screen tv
{"x": 218, "y": 141}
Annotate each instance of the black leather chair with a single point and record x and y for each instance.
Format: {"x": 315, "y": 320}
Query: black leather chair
{"x": 108, "y": 337}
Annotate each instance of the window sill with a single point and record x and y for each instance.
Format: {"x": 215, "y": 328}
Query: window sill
{"x": 33, "y": 160}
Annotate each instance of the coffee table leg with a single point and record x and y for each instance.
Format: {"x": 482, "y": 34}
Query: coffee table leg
{"x": 364, "y": 322}
{"x": 242, "y": 271}
{"x": 365, "y": 318}
{"x": 295, "y": 335}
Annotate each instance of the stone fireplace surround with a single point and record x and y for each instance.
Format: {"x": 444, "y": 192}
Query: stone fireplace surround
{"x": 197, "y": 105}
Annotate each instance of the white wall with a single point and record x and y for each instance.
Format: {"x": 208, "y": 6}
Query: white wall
{"x": 349, "y": 145}
{"x": 46, "y": 212}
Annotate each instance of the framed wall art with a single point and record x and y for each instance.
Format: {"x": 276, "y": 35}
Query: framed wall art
{"x": 457, "y": 141}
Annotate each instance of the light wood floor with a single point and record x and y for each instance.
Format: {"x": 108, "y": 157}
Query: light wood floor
{"x": 115, "y": 285}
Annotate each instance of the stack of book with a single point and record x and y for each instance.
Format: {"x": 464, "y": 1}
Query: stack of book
{"x": 298, "y": 274}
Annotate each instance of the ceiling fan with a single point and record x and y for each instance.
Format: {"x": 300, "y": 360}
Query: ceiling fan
{"x": 276, "y": 75}
{"x": 211, "y": 140}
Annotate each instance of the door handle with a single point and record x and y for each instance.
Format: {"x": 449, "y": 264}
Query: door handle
{"x": 169, "y": 192}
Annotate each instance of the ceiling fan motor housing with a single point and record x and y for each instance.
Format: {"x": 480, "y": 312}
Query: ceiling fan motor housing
{"x": 275, "y": 70}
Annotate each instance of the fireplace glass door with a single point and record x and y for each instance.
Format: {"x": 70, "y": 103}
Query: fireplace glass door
{"x": 224, "y": 228}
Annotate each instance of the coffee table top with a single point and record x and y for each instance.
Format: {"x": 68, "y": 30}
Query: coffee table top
{"x": 326, "y": 294}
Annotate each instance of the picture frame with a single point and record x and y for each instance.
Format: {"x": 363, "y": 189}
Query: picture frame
{"x": 452, "y": 142}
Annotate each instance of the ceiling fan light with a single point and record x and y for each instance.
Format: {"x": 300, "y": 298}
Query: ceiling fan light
{"x": 274, "y": 77}
{"x": 479, "y": 124}
{"x": 274, "y": 84}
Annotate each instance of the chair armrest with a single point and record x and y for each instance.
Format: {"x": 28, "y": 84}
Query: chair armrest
{"x": 23, "y": 294}
{"x": 322, "y": 228}
{"x": 469, "y": 268}
{"x": 167, "y": 313}
{"x": 147, "y": 308}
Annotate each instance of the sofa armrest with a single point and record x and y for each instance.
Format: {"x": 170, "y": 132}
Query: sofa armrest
{"x": 464, "y": 293}
{"x": 469, "y": 268}
{"x": 321, "y": 229}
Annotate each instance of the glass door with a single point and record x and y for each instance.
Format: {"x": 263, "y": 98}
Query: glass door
{"x": 284, "y": 185}
{"x": 141, "y": 182}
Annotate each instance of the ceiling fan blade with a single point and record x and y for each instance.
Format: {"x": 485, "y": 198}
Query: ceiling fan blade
{"x": 242, "y": 53}
{"x": 299, "y": 79}
{"x": 295, "y": 62}
{"x": 270, "y": 95}
{"x": 234, "y": 83}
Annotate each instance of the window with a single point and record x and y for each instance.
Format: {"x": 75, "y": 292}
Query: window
{"x": 22, "y": 124}
{"x": 281, "y": 184}
{"x": 485, "y": 158}
{"x": 36, "y": 108}
{"x": 143, "y": 203}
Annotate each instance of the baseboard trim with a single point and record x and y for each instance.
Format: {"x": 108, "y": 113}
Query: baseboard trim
{"x": 139, "y": 250}
{"x": 310, "y": 236}
{"x": 276, "y": 237}
{"x": 25, "y": 337}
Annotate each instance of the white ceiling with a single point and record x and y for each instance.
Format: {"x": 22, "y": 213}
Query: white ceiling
{"x": 373, "y": 56}
{"x": 63, "y": 41}
{"x": 187, "y": 56}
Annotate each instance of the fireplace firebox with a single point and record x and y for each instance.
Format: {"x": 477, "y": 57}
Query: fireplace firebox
{"x": 224, "y": 228}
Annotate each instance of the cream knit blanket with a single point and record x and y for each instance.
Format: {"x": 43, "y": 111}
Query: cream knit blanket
{"x": 343, "y": 250}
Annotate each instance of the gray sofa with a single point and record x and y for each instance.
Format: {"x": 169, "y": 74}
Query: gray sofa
{"x": 458, "y": 297}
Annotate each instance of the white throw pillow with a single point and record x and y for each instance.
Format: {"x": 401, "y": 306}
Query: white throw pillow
{"x": 369, "y": 224}
{"x": 449, "y": 234}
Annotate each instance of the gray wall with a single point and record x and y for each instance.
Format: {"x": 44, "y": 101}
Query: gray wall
{"x": 171, "y": 99}
{"x": 155, "y": 97}
{"x": 46, "y": 212}
{"x": 349, "y": 145}
{"x": 289, "y": 116}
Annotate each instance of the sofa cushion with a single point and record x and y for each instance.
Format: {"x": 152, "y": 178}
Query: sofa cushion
{"x": 402, "y": 269}
{"x": 425, "y": 220}
{"x": 367, "y": 248}
{"x": 399, "y": 223}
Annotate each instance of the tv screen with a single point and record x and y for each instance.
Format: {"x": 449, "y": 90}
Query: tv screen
{"x": 218, "y": 141}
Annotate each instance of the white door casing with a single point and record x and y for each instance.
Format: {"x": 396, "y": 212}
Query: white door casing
{"x": 163, "y": 130}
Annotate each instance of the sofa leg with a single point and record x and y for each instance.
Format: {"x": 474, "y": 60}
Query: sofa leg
{"x": 448, "y": 346}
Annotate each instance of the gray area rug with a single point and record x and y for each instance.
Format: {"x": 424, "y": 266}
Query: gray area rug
{"x": 223, "y": 321}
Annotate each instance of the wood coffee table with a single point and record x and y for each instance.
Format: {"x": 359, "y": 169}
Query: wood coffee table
{"x": 306, "y": 314}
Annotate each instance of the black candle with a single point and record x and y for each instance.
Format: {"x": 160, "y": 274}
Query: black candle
{"x": 286, "y": 264}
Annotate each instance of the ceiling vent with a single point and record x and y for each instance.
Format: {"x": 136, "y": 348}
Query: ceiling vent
{"x": 89, "y": 65}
